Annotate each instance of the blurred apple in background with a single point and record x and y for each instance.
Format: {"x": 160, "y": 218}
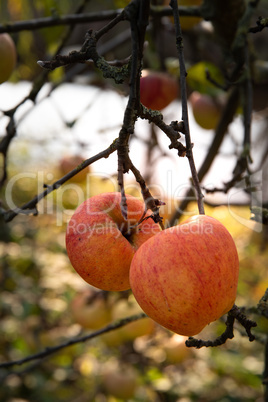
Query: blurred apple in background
{"x": 175, "y": 349}
{"x": 206, "y": 110}
{"x": 119, "y": 380}
{"x": 70, "y": 162}
{"x": 125, "y": 308}
{"x": 8, "y": 57}
{"x": 157, "y": 89}
{"x": 187, "y": 23}
{"x": 90, "y": 309}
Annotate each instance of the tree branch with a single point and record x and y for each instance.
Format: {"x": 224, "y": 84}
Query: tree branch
{"x": 31, "y": 207}
{"x": 234, "y": 314}
{"x": 183, "y": 74}
{"x": 48, "y": 351}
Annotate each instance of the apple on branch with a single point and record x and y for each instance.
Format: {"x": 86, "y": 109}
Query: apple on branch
{"x": 186, "y": 276}
{"x": 101, "y": 243}
{"x": 157, "y": 89}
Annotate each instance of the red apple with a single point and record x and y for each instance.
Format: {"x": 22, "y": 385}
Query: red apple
{"x": 8, "y": 56}
{"x": 206, "y": 110}
{"x": 90, "y": 309}
{"x": 157, "y": 89}
{"x": 101, "y": 243}
{"x": 186, "y": 276}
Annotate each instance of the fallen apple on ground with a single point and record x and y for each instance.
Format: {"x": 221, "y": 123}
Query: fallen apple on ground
{"x": 186, "y": 276}
{"x": 157, "y": 89}
{"x": 100, "y": 243}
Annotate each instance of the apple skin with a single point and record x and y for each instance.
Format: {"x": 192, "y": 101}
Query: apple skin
{"x": 8, "y": 56}
{"x": 157, "y": 89}
{"x": 98, "y": 241}
{"x": 90, "y": 310}
{"x": 206, "y": 110}
{"x": 186, "y": 276}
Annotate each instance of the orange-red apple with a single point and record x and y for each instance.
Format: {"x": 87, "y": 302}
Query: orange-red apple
{"x": 186, "y": 276}
{"x": 8, "y": 56}
{"x": 90, "y": 309}
{"x": 101, "y": 243}
{"x": 157, "y": 89}
{"x": 206, "y": 110}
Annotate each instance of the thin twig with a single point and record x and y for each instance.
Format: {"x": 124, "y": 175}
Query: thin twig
{"x": 183, "y": 74}
{"x": 51, "y": 350}
{"x": 31, "y": 206}
{"x": 234, "y": 314}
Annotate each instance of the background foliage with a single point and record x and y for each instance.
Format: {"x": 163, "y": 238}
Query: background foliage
{"x": 38, "y": 283}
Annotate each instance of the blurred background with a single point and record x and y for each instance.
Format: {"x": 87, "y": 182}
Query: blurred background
{"x": 62, "y": 117}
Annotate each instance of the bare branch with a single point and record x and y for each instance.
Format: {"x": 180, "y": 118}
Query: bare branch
{"x": 48, "y": 351}
{"x": 234, "y": 314}
{"x": 31, "y": 206}
{"x": 183, "y": 74}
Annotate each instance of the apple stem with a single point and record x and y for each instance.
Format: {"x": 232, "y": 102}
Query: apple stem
{"x": 189, "y": 153}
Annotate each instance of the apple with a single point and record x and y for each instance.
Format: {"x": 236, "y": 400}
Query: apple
{"x": 187, "y": 22}
{"x": 90, "y": 309}
{"x": 157, "y": 89}
{"x": 119, "y": 380}
{"x": 8, "y": 56}
{"x": 206, "y": 110}
{"x": 70, "y": 162}
{"x": 125, "y": 308}
{"x": 175, "y": 349}
{"x": 101, "y": 243}
{"x": 186, "y": 276}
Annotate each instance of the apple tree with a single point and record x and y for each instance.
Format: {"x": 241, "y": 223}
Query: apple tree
{"x": 178, "y": 87}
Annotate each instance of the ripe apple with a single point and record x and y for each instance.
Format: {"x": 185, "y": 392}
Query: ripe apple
{"x": 90, "y": 309}
{"x": 101, "y": 243}
{"x": 186, "y": 276}
{"x": 68, "y": 163}
{"x": 157, "y": 89}
{"x": 206, "y": 110}
{"x": 8, "y": 56}
{"x": 120, "y": 380}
